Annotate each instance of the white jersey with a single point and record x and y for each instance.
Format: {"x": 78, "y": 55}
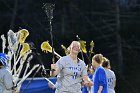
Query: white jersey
{"x": 6, "y": 81}
{"x": 111, "y": 78}
{"x": 69, "y": 80}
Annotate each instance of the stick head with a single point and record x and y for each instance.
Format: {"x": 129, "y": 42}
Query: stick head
{"x": 83, "y": 46}
{"x": 25, "y": 48}
{"x": 45, "y": 46}
{"x": 23, "y": 35}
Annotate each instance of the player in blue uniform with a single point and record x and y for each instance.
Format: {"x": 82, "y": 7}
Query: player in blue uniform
{"x": 99, "y": 77}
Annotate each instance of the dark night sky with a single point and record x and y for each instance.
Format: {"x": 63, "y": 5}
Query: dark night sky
{"x": 110, "y": 25}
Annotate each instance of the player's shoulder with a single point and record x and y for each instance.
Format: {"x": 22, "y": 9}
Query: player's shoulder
{"x": 63, "y": 58}
{"x": 81, "y": 61}
{"x": 111, "y": 70}
{"x": 101, "y": 69}
{"x": 5, "y": 71}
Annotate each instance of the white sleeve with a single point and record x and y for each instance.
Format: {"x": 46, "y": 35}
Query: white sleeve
{"x": 84, "y": 69}
{"x": 8, "y": 80}
{"x": 60, "y": 63}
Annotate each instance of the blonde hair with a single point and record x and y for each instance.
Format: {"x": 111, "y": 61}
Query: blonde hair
{"x": 105, "y": 62}
{"x": 98, "y": 58}
{"x": 69, "y": 48}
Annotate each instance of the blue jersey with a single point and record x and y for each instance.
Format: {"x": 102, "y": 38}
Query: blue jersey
{"x": 99, "y": 79}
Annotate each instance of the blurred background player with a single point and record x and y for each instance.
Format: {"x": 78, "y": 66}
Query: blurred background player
{"x": 6, "y": 79}
{"x": 111, "y": 78}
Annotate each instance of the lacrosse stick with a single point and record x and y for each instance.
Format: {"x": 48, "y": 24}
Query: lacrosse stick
{"x": 23, "y": 78}
{"x": 23, "y": 34}
{"x": 45, "y": 46}
{"x": 12, "y": 47}
{"x": 66, "y": 50}
{"x": 3, "y": 43}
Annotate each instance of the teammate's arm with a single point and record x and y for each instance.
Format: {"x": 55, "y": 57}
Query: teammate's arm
{"x": 87, "y": 81}
{"x": 100, "y": 89}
